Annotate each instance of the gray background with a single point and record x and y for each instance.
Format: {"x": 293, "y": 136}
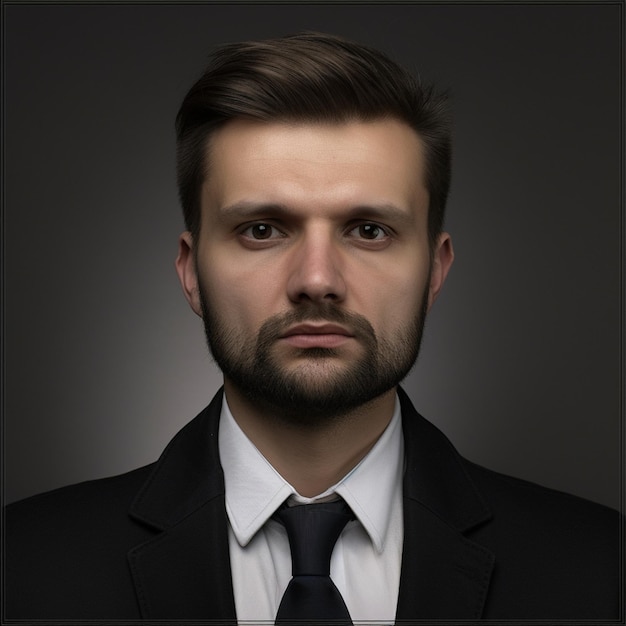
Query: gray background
{"x": 521, "y": 360}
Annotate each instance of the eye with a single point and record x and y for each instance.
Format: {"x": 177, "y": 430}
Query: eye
{"x": 369, "y": 232}
{"x": 262, "y": 232}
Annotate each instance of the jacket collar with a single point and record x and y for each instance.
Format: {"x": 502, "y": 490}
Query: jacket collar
{"x": 184, "y": 571}
{"x": 187, "y": 474}
{"x": 444, "y": 575}
{"x": 435, "y": 474}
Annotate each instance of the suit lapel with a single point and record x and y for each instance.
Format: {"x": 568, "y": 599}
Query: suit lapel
{"x": 445, "y": 575}
{"x": 184, "y": 571}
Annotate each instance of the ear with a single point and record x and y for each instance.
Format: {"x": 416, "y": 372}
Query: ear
{"x": 186, "y": 270}
{"x": 443, "y": 255}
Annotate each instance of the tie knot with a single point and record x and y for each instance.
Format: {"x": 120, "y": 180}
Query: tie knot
{"x": 313, "y": 530}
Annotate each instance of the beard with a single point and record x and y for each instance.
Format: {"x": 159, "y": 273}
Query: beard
{"x": 319, "y": 389}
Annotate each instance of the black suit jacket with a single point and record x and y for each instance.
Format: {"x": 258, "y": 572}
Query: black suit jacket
{"x": 152, "y": 544}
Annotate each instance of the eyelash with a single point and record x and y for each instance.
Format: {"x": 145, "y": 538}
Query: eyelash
{"x": 375, "y": 226}
{"x": 385, "y": 232}
{"x": 258, "y": 224}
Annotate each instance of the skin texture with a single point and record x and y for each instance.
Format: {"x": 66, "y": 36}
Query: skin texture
{"x": 304, "y": 225}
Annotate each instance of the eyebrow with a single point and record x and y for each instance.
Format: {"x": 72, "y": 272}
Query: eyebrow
{"x": 249, "y": 210}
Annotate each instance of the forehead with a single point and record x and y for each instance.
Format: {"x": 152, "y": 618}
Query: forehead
{"x": 315, "y": 164}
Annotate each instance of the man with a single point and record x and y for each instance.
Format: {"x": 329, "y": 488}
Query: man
{"x": 313, "y": 174}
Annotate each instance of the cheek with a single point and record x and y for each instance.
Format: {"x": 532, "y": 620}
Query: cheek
{"x": 402, "y": 311}
{"x": 391, "y": 298}
{"x": 243, "y": 298}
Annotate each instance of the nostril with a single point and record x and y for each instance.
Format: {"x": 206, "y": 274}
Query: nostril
{"x": 316, "y": 278}
{"x": 306, "y": 296}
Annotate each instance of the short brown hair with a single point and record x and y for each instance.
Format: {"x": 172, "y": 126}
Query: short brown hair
{"x": 309, "y": 77}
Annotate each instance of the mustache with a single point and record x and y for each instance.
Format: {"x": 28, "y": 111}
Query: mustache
{"x": 278, "y": 324}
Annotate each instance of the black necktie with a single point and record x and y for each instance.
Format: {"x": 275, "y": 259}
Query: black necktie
{"x": 313, "y": 530}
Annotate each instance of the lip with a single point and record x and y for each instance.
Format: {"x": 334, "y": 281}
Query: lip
{"x": 317, "y": 329}
{"x": 317, "y": 336}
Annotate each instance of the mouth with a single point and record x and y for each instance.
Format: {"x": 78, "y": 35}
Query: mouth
{"x": 317, "y": 335}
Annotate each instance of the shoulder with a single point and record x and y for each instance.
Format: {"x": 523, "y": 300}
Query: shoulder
{"x": 73, "y": 504}
{"x": 555, "y": 555}
{"x": 67, "y": 550}
{"x": 73, "y": 538}
{"x": 531, "y": 503}
{"x": 552, "y": 548}
{"x": 74, "y": 521}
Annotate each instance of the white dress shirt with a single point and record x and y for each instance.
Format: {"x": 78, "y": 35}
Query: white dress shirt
{"x": 365, "y": 564}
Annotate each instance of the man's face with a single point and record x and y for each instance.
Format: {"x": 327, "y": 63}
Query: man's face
{"x": 312, "y": 269}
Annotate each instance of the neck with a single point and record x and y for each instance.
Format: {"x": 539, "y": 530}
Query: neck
{"x": 312, "y": 458}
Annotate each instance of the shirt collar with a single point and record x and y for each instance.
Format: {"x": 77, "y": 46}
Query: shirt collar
{"x": 254, "y": 489}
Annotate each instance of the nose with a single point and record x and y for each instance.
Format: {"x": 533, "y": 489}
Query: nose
{"x": 316, "y": 271}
